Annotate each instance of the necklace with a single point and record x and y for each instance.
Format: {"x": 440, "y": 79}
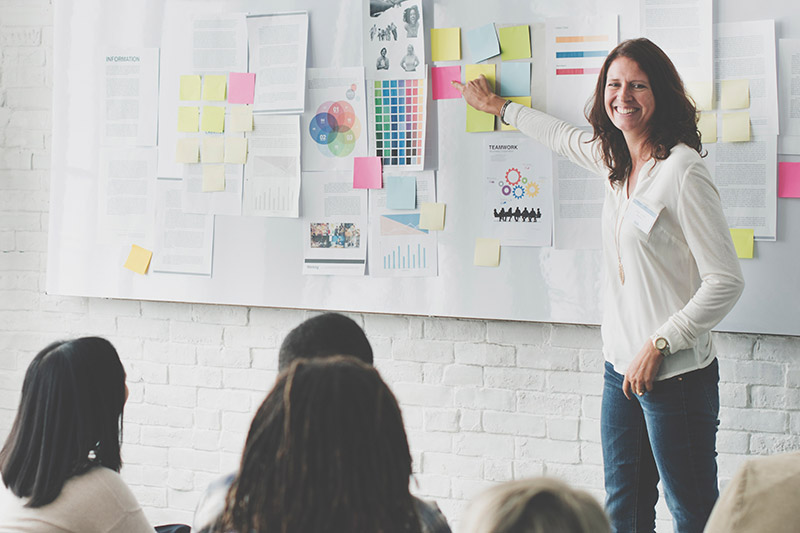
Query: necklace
{"x": 617, "y": 228}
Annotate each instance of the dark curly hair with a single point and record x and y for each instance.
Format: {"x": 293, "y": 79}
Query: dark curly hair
{"x": 674, "y": 119}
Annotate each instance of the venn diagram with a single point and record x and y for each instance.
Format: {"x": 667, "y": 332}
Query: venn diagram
{"x": 335, "y": 128}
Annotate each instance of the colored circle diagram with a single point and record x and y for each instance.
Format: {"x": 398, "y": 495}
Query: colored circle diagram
{"x": 335, "y": 128}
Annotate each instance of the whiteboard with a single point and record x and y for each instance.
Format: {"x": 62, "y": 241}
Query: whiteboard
{"x": 258, "y": 261}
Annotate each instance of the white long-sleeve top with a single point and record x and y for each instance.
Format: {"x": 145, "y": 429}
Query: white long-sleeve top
{"x": 682, "y": 275}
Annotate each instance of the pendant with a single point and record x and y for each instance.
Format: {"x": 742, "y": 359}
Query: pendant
{"x": 621, "y": 274}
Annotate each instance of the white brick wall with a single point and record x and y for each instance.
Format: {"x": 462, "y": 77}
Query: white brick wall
{"x": 483, "y": 401}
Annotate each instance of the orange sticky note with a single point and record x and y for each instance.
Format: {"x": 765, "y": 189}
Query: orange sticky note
{"x": 138, "y": 259}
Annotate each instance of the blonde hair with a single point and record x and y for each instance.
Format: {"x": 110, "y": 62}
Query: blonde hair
{"x": 537, "y": 505}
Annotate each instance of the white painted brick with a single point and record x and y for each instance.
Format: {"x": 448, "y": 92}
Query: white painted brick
{"x": 182, "y": 500}
{"x": 412, "y": 416}
{"x": 265, "y": 358}
{"x": 19, "y": 280}
{"x": 169, "y": 353}
{"x": 236, "y": 422}
{"x": 733, "y": 395}
{"x": 774, "y": 444}
{"x": 451, "y": 465}
{"x": 547, "y": 450}
{"x": 31, "y": 241}
{"x": 794, "y": 423}
{"x": 166, "y": 310}
{"x": 431, "y": 486}
{"x": 65, "y": 304}
{"x": 454, "y": 329}
{"x": 441, "y": 419}
{"x": 150, "y": 496}
{"x": 467, "y": 489}
{"x": 733, "y": 442}
{"x": 793, "y": 378}
{"x": 496, "y": 399}
{"x": 399, "y": 371}
{"x": 591, "y": 453}
{"x": 425, "y": 395}
{"x": 514, "y": 378}
{"x": 381, "y": 348}
{"x": 144, "y": 372}
{"x": 31, "y": 118}
{"x": 762, "y": 397}
{"x": 562, "y": 428}
{"x": 118, "y": 308}
{"x": 166, "y": 436}
{"x": 385, "y": 326}
{"x": 547, "y": 358}
{"x": 424, "y": 351}
{"x": 250, "y": 337}
{"x": 13, "y": 300}
{"x": 430, "y": 441}
{"x": 20, "y": 260}
{"x": 728, "y": 464}
{"x": 592, "y": 361}
{"x": 774, "y": 348}
{"x": 758, "y": 372}
{"x": 195, "y": 376}
{"x": 201, "y": 480}
{"x": 516, "y": 332}
{"x": 470, "y": 420}
{"x": 415, "y": 327}
{"x": 20, "y": 220}
{"x": 180, "y": 479}
{"x": 589, "y": 430}
{"x": 188, "y": 459}
{"x": 549, "y": 403}
{"x": 483, "y": 445}
{"x": 498, "y": 469}
{"x": 758, "y": 420}
{"x": 484, "y": 354}
{"x": 203, "y": 439}
{"x": 572, "y": 382}
{"x": 514, "y": 424}
{"x": 227, "y": 400}
{"x": 279, "y": 321}
{"x": 578, "y": 476}
{"x": 463, "y": 375}
{"x": 573, "y": 336}
{"x": 528, "y": 469}
{"x": 207, "y": 419}
{"x": 591, "y": 407}
{"x": 432, "y": 373}
{"x": 135, "y": 454}
{"x": 228, "y": 315}
{"x": 143, "y": 328}
{"x": 230, "y": 461}
{"x": 249, "y": 379}
{"x": 170, "y": 395}
{"x": 7, "y": 242}
{"x": 224, "y": 356}
{"x": 193, "y": 333}
{"x": 232, "y": 442}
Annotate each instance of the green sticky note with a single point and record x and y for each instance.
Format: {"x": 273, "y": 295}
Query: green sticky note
{"x": 213, "y": 119}
{"x": 487, "y": 252}
{"x": 743, "y": 242}
{"x": 445, "y": 44}
{"x": 524, "y": 100}
{"x": 186, "y": 150}
{"x": 707, "y": 126}
{"x": 735, "y": 94}
{"x": 702, "y": 93}
{"x": 241, "y": 118}
{"x": 214, "y": 86}
{"x": 515, "y": 42}
{"x": 213, "y": 149}
{"x": 236, "y": 150}
{"x": 213, "y": 178}
{"x": 431, "y": 216}
{"x": 735, "y": 127}
{"x": 138, "y": 259}
{"x": 190, "y": 87}
{"x": 187, "y": 119}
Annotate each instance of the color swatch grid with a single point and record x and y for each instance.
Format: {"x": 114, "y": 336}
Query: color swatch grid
{"x": 398, "y": 111}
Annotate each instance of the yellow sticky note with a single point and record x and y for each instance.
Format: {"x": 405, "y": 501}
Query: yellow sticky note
{"x": 213, "y": 119}
{"x": 707, "y": 126}
{"x": 190, "y": 87}
{"x": 743, "y": 242}
{"x": 487, "y": 252}
{"x": 515, "y": 42}
{"x": 138, "y": 259}
{"x": 702, "y": 92}
{"x": 524, "y": 100}
{"x": 186, "y": 150}
{"x": 472, "y": 72}
{"x": 431, "y": 216}
{"x": 188, "y": 119}
{"x": 241, "y": 118}
{"x": 735, "y": 94}
{"x": 735, "y": 127}
{"x": 213, "y": 150}
{"x": 445, "y": 44}
{"x": 478, "y": 120}
{"x": 214, "y": 86}
{"x": 236, "y": 150}
{"x": 213, "y": 178}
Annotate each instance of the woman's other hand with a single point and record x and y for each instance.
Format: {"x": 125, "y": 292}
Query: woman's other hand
{"x": 641, "y": 373}
{"x": 478, "y": 93}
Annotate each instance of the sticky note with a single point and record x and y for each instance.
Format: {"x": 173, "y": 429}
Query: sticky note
{"x": 487, "y": 252}
{"x": 483, "y": 43}
{"x": 445, "y": 44}
{"x": 190, "y": 87}
{"x": 213, "y": 119}
{"x": 138, "y": 259}
{"x": 735, "y": 94}
{"x": 241, "y": 87}
{"x": 214, "y": 87}
{"x": 187, "y": 150}
{"x": 788, "y": 180}
{"x": 478, "y": 120}
{"x": 515, "y": 42}
{"x": 515, "y": 79}
{"x": 241, "y": 118}
{"x": 743, "y": 242}
{"x": 213, "y": 149}
{"x": 440, "y": 81}
{"x": 472, "y": 72}
{"x": 236, "y": 150}
{"x": 401, "y": 192}
{"x": 367, "y": 173}
{"x": 735, "y": 127}
{"x": 213, "y": 178}
{"x": 707, "y": 126}
{"x": 188, "y": 119}
{"x": 431, "y": 216}
{"x": 523, "y": 100}
{"x": 702, "y": 92}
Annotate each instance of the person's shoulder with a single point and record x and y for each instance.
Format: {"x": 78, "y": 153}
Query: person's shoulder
{"x": 105, "y": 484}
{"x": 683, "y": 153}
{"x": 431, "y": 518}
{"x": 774, "y": 469}
{"x": 212, "y": 503}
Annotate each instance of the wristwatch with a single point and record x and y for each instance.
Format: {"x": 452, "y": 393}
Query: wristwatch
{"x": 662, "y": 345}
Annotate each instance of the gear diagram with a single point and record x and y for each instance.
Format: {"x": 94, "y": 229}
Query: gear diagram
{"x": 532, "y": 189}
{"x": 513, "y": 176}
{"x": 518, "y": 191}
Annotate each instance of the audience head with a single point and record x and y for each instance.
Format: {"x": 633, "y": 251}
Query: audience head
{"x": 69, "y": 418}
{"x": 326, "y": 451}
{"x": 539, "y": 505}
{"x": 322, "y": 336}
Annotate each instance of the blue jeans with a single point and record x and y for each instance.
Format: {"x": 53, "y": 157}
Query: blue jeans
{"x": 670, "y": 434}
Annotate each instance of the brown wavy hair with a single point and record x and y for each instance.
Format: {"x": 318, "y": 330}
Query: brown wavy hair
{"x": 674, "y": 119}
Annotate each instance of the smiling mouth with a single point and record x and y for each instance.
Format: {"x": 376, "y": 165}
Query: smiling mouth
{"x": 625, "y": 110}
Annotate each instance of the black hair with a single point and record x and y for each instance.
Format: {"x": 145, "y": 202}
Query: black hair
{"x": 69, "y": 419}
{"x": 322, "y": 336}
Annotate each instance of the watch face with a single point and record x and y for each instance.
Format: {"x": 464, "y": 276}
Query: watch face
{"x": 661, "y": 343}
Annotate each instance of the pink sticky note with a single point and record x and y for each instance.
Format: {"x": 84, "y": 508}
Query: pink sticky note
{"x": 441, "y": 78}
{"x": 789, "y": 180}
{"x": 241, "y": 87}
{"x": 367, "y": 173}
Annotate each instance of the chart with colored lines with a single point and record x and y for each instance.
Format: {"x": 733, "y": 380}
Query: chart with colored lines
{"x": 398, "y": 117}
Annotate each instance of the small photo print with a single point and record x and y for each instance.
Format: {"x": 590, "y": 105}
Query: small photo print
{"x": 337, "y": 235}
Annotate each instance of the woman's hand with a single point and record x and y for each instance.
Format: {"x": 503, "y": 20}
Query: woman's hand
{"x": 642, "y": 371}
{"x": 478, "y": 93}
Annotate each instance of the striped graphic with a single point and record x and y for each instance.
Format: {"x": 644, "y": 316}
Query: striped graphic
{"x": 576, "y": 71}
{"x": 582, "y": 39}
{"x": 582, "y": 53}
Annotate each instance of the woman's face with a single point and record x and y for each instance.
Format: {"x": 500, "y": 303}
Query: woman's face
{"x": 413, "y": 16}
{"x": 410, "y": 50}
{"x": 629, "y": 99}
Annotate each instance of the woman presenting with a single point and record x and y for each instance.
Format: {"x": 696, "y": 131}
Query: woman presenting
{"x": 671, "y": 275}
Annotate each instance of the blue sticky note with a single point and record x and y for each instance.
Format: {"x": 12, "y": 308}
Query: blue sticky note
{"x": 483, "y": 43}
{"x": 401, "y": 192}
{"x": 515, "y": 79}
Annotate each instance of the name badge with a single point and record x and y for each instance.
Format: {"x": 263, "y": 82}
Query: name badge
{"x": 643, "y": 216}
